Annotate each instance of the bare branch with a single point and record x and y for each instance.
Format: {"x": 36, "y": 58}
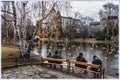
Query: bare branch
{"x": 6, "y": 19}
{"x": 8, "y": 12}
{"x": 6, "y": 1}
{"x": 44, "y": 17}
{"x": 17, "y": 4}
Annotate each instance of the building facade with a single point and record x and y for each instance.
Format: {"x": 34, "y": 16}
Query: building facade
{"x": 93, "y": 28}
{"x": 111, "y": 23}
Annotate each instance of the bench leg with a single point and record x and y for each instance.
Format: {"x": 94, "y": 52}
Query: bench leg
{"x": 68, "y": 68}
{"x": 16, "y": 60}
{"x": 61, "y": 67}
{"x": 50, "y": 65}
{"x": 103, "y": 72}
{"x": 68, "y": 65}
{"x": 95, "y": 75}
{"x": 54, "y": 66}
{"x": 72, "y": 69}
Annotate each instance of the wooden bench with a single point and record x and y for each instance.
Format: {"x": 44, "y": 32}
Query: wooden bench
{"x": 73, "y": 62}
{"x": 53, "y": 61}
{"x": 70, "y": 64}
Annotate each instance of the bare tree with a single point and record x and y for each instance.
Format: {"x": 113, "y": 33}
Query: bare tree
{"x": 86, "y": 20}
{"x": 20, "y": 11}
{"x": 109, "y": 9}
{"x": 78, "y": 15}
{"x": 5, "y": 15}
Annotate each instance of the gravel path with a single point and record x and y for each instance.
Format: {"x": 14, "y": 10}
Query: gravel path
{"x": 40, "y": 72}
{"x": 34, "y": 72}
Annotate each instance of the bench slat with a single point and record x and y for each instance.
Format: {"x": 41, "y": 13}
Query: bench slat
{"x": 54, "y": 59}
{"x": 72, "y": 65}
{"x": 87, "y": 70}
{"x": 63, "y": 64}
{"x": 84, "y": 63}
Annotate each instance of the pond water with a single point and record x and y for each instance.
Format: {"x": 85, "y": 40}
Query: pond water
{"x": 108, "y": 53}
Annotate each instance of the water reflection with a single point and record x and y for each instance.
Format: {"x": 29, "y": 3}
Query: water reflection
{"x": 106, "y": 52}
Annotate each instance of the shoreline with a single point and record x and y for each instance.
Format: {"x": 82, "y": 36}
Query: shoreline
{"x": 87, "y": 40}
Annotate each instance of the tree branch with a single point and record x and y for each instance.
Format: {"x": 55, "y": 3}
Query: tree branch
{"x": 8, "y": 12}
{"x": 6, "y": 19}
{"x": 17, "y": 4}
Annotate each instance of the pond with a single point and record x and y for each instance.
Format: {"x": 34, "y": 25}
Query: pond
{"x": 108, "y": 53}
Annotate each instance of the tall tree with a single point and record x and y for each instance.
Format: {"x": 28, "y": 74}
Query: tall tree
{"x": 109, "y": 9}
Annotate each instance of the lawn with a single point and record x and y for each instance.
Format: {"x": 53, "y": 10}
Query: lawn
{"x": 9, "y": 54}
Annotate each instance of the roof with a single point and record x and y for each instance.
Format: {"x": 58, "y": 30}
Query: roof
{"x": 66, "y": 17}
{"x": 70, "y": 18}
{"x": 94, "y": 23}
{"x": 102, "y": 19}
{"x": 112, "y": 17}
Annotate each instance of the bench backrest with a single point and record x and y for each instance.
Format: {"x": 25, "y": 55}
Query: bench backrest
{"x": 54, "y": 59}
{"x": 84, "y": 63}
{"x": 72, "y": 61}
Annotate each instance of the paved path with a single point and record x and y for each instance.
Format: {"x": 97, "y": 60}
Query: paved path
{"x": 34, "y": 72}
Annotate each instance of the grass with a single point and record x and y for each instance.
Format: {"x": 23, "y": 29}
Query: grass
{"x": 8, "y": 56}
{"x": 8, "y": 52}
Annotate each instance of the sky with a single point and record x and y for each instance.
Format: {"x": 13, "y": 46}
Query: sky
{"x": 89, "y": 8}
{"x": 86, "y": 7}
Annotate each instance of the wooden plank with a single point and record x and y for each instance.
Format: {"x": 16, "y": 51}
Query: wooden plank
{"x": 54, "y": 59}
{"x": 46, "y": 62}
{"x": 87, "y": 70}
{"x": 72, "y": 61}
{"x": 84, "y": 63}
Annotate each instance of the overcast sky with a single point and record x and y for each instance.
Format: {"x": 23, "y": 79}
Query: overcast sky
{"x": 90, "y": 8}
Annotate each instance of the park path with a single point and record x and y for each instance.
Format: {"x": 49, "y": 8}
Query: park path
{"x": 40, "y": 72}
